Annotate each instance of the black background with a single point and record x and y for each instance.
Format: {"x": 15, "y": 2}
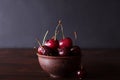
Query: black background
{"x": 97, "y": 22}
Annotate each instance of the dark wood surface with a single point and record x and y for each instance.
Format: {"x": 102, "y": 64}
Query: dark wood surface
{"x": 22, "y": 64}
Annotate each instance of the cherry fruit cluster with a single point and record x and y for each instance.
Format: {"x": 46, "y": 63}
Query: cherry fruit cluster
{"x": 55, "y": 47}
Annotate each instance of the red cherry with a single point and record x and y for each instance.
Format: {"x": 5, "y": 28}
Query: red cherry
{"x": 64, "y": 51}
{"x": 40, "y": 50}
{"x": 44, "y": 50}
{"x": 53, "y": 44}
{"x": 66, "y": 42}
{"x": 75, "y": 50}
{"x": 81, "y": 74}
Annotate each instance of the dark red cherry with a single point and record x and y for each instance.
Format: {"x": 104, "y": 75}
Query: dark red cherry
{"x": 66, "y": 42}
{"x": 81, "y": 74}
{"x": 53, "y": 44}
{"x": 75, "y": 50}
{"x": 44, "y": 50}
{"x": 63, "y": 51}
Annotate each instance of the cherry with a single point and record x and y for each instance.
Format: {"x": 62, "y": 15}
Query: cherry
{"x": 66, "y": 42}
{"x": 81, "y": 74}
{"x": 44, "y": 50}
{"x": 53, "y": 44}
{"x": 75, "y": 50}
{"x": 64, "y": 51}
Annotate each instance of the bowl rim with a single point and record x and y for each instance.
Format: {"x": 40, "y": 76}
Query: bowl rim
{"x": 58, "y": 57}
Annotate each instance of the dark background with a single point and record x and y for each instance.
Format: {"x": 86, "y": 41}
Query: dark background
{"x": 97, "y": 22}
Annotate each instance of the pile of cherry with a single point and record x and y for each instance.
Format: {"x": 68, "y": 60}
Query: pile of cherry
{"x": 54, "y": 47}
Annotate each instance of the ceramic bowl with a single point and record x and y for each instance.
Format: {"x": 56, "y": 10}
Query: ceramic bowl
{"x": 57, "y": 66}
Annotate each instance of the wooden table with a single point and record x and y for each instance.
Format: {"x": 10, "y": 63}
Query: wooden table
{"x": 22, "y": 64}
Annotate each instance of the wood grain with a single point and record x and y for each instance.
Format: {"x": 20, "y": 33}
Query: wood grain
{"x": 22, "y": 64}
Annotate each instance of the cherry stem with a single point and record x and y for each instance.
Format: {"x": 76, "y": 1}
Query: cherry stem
{"x": 75, "y": 35}
{"x": 34, "y": 47}
{"x": 56, "y": 30}
{"x": 54, "y": 35}
{"x": 38, "y": 42}
{"x": 44, "y": 37}
{"x": 62, "y": 31}
{"x": 81, "y": 66}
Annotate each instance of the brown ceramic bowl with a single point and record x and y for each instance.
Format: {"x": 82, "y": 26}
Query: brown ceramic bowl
{"x": 57, "y": 66}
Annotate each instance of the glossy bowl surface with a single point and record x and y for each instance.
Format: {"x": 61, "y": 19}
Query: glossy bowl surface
{"x": 57, "y": 66}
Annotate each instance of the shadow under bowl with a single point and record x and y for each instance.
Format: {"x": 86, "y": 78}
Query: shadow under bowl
{"x": 57, "y": 66}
